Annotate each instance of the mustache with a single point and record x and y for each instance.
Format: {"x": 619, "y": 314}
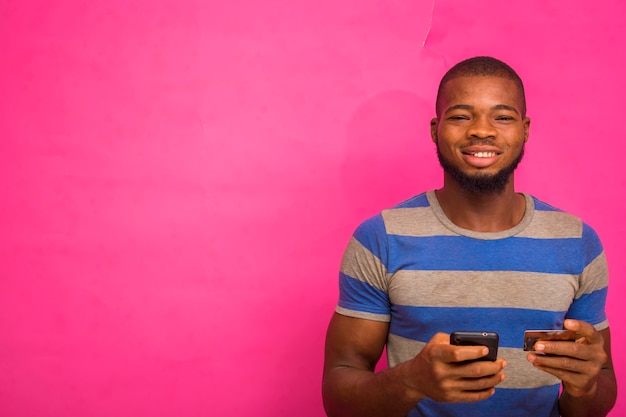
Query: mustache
{"x": 481, "y": 141}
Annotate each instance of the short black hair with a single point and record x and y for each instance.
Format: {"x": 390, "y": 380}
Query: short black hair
{"x": 481, "y": 66}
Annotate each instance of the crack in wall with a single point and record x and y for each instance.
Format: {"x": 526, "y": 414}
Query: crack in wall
{"x": 430, "y": 24}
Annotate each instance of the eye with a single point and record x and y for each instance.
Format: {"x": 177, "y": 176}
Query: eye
{"x": 458, "y": 117}
{"x": 505, "y": 118}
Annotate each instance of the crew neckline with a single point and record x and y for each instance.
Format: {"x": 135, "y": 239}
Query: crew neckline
{"x": 441, "y": 216}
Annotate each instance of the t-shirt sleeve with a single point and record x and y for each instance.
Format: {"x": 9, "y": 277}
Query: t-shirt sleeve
{"x": 590, "y": 300}
{"x": 362, "y": 276}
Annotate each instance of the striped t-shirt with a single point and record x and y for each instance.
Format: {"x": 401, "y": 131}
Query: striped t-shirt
{"x": 412, "y": 267}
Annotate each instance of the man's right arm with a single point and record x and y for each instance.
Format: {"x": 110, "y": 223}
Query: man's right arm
{"x": 351, "y": 388}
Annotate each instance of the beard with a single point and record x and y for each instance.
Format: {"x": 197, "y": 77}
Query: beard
{"x": 481, "y": 183}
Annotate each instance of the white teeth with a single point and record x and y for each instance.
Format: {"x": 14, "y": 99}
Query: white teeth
{"x": 484, "y": 154}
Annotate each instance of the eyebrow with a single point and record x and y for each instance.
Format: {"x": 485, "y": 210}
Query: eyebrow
{"x": 468, "y": 107}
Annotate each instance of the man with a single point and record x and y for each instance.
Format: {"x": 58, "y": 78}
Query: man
{"x": 473, "y": 255}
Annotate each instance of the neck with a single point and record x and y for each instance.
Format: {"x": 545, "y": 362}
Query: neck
{"x": 480, "y": 212}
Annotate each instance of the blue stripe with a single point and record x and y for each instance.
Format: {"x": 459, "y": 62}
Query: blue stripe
{"x": 421, "y": 323}
{"x": 460, "y": 253}
{"x": 360, "y": 296}
{"x": 505, "y": 402}
{"x": 543, "y": 206}
{"x": 593, "y": 246}
{"x": 590, "y": 307}
{"x": 372, "y": 234}
{"x": 419, "y": 200}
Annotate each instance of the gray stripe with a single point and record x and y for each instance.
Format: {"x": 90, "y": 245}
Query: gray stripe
{"x": 419, "y": 222}
{"x": 553, "y": 225}
{"x": 602, "y": 325}
{"x": 358, "y": 262}
{"x": 506, "y": 289}
{"x": 363, "y": 315}
{"x": 515, "y": 230}
{"x": 596, "y": 274}
{"x": 423, "y": 222}
{"x": 401, "y": 349}
{"x": 520, "y": 373}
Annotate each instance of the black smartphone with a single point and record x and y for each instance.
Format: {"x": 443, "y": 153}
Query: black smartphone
{"x": 467, "y": 338}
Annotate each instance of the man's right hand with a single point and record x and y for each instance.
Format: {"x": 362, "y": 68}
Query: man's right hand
{"x": 449, "y": 373}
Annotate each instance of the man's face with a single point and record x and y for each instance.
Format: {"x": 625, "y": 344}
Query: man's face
{"x": 480, "y": 133}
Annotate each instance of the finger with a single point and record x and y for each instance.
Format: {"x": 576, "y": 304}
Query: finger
{"x": 473, "y": 371}
{"x": 472, "y": 396}
{"x": 466, "y": 353}
{"x": 567, "y": 376}
{"x": 578, "y": 350}
{"x": 440, "y": 348}
{"x": 479, "y": 384}
{"x": 441, "y": 338}
{"x": 558, "y": 364}
{"x": 576, "y": 384}
{"x": 452, "y": 353}
{"x": 585, "y": 347}
{"x": 467, "y": 396}
{"x": 585, "y": 329}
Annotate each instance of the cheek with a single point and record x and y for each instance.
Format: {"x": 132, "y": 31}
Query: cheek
{"x": 446, "y": 150}
{"x": 444, "y": 140}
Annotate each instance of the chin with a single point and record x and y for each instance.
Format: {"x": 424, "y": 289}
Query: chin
{"x": 483, "y": 181}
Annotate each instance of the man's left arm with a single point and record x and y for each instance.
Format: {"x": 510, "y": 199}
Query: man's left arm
{"x": 585, "y": 367}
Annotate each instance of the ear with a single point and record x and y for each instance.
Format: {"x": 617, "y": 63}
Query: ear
{"x": 526, "y": 128}
{"x": 433, "y": 129}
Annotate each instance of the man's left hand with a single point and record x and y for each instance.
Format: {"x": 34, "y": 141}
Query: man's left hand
{"x": 577, "y": 364}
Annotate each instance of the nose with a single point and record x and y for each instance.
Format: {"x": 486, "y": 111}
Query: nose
{"x": 481, "y": 128}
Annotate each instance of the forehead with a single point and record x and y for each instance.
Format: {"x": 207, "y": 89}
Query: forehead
{"x": 481, "y": 90}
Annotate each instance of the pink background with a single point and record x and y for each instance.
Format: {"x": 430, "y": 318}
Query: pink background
{"x": 180, "y": 178}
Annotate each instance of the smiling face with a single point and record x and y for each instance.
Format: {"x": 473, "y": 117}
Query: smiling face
{"x": 480, "y": 132}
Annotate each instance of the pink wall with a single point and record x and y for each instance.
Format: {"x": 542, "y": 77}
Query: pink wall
{"x": 180, "y": 179}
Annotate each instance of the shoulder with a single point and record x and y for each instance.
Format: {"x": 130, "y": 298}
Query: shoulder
{"x": 383, "y": 222}
{"x": 555, "y": 220}
{"x": 560, "y": 223}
